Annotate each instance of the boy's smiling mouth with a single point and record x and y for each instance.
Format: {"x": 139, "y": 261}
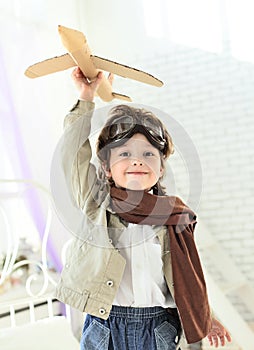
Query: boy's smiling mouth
{"x": 137, "y": 172}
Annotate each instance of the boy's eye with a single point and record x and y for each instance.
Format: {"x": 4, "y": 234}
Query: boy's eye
{"x": 125, "y": 154}
{"x": 148, "y": 154}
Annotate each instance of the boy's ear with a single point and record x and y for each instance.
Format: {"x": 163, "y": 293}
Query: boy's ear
{"x": 106, "y": 170}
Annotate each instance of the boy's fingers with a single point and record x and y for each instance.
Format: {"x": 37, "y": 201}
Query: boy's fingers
{"x": 99, "y": 75}
{"x": 74, "y": 72}
{"x": 222, "y": 340}
{"x": 228, "y": 337}
{"x": 77, "y": 74}
{"x": 98, "y": 80}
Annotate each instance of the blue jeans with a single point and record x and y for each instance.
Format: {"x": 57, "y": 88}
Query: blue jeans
{"x": 128, "y": 328}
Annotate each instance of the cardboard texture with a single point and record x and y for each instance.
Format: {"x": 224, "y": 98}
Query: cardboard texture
{"x": 79, "y": 54}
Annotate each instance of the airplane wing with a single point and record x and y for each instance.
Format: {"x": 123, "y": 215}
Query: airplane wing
{"x": 60, "y": 63}
{"x": 125, "y": 71}
{"x": 51, "y": 65}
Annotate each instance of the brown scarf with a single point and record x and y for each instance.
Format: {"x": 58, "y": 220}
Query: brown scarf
{"x": 190, "y": 293}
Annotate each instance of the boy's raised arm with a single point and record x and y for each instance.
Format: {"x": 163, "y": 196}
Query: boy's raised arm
{"x": 80, "y": 174}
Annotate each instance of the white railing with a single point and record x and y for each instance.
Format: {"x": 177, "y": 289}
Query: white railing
{"x": 13, "y": 242}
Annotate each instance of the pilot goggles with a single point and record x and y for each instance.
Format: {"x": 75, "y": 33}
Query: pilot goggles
{"x": 126, "y": 126}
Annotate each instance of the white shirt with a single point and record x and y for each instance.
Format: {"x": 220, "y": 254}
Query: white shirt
{"x": 143, "y": 283}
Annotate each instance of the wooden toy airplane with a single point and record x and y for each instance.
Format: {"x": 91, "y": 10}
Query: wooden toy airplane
{"x": 79, "y": 54}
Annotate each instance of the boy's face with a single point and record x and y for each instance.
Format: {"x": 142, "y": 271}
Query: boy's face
{"x": 135, "y": 165}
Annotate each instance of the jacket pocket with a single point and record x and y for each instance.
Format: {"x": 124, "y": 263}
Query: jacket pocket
{"x": 165, "y": 336}
{"x": 95, "y": 337}
{"x": 71, "y": 297}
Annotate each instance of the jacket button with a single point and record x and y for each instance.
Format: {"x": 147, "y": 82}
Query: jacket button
{"x": 102, "y": 311}
{"x": 110, "y": 283}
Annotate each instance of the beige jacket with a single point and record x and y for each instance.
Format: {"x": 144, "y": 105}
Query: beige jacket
{"x": 94, "y": 268}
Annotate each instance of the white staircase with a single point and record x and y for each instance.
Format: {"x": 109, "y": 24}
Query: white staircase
{"x": 231, "y": 295}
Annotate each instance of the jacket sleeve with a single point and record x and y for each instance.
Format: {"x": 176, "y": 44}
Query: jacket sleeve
{"x": 79, "y": 172}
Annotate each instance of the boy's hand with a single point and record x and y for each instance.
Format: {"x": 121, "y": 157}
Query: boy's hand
{"x": 86, "y": 87}
{"x": 218, "y": 334}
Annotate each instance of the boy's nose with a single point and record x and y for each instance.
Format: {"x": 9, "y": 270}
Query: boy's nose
{"x": 137, "y": 162}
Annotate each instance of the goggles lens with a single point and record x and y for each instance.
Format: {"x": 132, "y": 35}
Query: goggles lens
{"x": 121, "y": 126}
